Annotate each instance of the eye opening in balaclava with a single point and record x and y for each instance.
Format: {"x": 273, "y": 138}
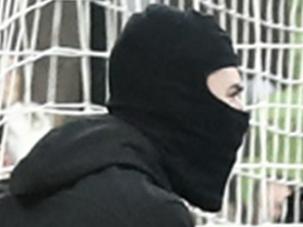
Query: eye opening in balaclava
{"x": 226, "y": 85}
{"x": 156, "y": 69}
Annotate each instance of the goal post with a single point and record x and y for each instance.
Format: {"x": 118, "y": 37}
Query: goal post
{"x": 53, "y": 67}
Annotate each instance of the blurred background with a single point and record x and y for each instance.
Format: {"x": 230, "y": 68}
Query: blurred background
{"x": 53, "y": 68}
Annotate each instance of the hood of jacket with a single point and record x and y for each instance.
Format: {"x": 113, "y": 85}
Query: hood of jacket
{"x": 80, "y": 148}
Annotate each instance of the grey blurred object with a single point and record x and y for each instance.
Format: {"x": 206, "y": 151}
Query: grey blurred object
{"x": 23, "y": 130}
{"x": 68, "y": 71}
{"x": 98, "y": 43}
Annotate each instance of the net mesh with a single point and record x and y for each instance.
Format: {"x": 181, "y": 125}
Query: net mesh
{"x": 49, "y": 59}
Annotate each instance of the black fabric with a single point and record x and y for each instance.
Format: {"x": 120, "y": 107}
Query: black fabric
{"x": 166, "y": 136}
{"x": 92, "y": 172}
{"x": 81, "y": 148}
{"x": 158, "y": 72}
{"x": 114, "y": 197}
{"x": 3, "y": 188}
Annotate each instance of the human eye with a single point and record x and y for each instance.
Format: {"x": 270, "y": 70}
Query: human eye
{"x": 235, "y": 91}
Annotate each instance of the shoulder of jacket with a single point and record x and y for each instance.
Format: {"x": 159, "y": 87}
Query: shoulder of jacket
{"x": 147, "y": 203}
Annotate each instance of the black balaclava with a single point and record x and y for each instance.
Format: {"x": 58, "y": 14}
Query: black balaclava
{"x": 158, "y": 72}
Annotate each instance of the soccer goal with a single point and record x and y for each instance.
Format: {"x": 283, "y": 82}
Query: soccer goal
{"x": 53, "y": 67}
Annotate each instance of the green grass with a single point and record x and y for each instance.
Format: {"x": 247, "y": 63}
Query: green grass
{"x": 280, "y": 148}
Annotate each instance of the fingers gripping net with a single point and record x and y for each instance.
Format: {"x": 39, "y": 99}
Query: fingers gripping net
{"x": 47, "y": 73}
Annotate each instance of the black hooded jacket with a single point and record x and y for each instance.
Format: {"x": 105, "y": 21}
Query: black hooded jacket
{"x": 92, "y": 172}
{"x": 166, "y": 136}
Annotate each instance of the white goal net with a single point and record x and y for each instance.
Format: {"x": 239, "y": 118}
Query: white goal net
{"x": 53, "y": 56}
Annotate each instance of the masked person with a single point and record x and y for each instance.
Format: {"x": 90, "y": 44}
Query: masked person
{"x": 170, "y": 133}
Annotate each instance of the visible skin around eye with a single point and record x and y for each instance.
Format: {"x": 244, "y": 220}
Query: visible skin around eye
{"x": 226, "y": 85}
